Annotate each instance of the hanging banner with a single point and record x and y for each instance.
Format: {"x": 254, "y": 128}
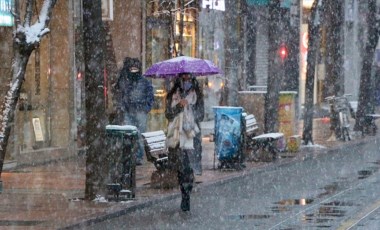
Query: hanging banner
{"x": 257, "y": 2}
{"x": 37, "y": 129}
{"x": 284, "y": 3}
{"x": 6, "y": 17}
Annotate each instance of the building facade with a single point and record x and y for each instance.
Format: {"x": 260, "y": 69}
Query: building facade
{"x": 233, "y": 34}
{"x": 50, "y": 107}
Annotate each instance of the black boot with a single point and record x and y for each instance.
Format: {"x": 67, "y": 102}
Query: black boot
{"x": 185, "y": 203}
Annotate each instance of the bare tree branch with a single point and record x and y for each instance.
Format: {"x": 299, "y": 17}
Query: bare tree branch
{"x": 29, "y": 12}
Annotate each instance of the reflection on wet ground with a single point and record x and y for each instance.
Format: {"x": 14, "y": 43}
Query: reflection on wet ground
{"x": 367, "y": 172}
{"x": 20, "y": 222}
{"x": 248, "y": 217}
{"x": 339, "y": 203}
{"x": 329, "y": 189}
{"x": 283, "y": 205}
{"x": 295, "y": 202}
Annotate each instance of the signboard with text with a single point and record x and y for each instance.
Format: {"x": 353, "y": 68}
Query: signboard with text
{"x": 6, "y": 17}
{"x": 214, "y": 5}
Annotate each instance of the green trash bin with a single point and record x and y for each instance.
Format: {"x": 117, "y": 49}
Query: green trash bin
{"x": 121, "y": 143}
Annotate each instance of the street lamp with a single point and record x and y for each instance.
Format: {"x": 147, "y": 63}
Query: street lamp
{"x": 307, "y": 4}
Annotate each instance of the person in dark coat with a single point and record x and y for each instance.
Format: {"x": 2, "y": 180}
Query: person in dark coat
{"x": 182, "y": 129}
{"x": 199, "y": 113}
{"x": 134, "y": 97}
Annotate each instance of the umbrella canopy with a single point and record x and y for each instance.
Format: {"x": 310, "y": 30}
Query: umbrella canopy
{"x": 183, "y": 64}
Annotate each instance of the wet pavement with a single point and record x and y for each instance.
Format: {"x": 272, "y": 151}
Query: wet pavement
{"x": 48, "y": 196}
{"x": 320, "y": 192}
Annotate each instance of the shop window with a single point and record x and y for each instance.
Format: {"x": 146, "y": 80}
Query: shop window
{"x": 167, "y": 13}
{"x": 107, "y": 10}
{"x": 188, "y": 35}
{"x": 6, "y": 17}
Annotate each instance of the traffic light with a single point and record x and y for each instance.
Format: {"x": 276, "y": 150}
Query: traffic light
{"x": 283, "y": 52}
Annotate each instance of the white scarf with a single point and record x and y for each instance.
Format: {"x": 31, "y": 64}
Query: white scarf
{"x": 186, "y": 118}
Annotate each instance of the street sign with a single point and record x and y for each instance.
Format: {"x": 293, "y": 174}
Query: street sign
{"x": 6, "y": 17}
{"x": 214, "y": 5}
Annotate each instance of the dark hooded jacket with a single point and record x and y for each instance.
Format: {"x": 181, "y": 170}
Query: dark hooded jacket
{"x": 133, "y": 91}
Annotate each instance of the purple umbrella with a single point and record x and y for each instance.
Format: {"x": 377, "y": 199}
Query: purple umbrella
{"x": 182, "y": 64}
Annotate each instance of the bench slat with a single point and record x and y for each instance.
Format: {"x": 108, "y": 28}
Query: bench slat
{"x": 373, "y": 115}
{"x": 157, "y": 152}
{"x": 250, "y": 116}
{"x": 269, "y": 135}
{"x": 250, "y": 124}
{"x": 152, "y": 134}
{"x": 156, "y": 146}
{"x": 156, "y": 139}
{"x": 251, "y": 129}
{"x": 163, "y": 159}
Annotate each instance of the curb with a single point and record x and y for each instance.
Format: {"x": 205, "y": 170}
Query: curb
{"x": 249, "y": 172}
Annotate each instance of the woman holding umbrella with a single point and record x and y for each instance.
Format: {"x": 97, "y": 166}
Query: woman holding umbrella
{"x": 182, "y": 128}
{"x": 184, "y": 109}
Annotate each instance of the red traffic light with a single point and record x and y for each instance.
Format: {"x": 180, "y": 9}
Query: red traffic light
{"x": 283, "y": 52}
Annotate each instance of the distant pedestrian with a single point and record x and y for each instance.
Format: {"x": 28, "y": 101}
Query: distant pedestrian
{"x": 199, "y": 112}
{"x": 182, "y": 129}
{"x": 135, "y": 97}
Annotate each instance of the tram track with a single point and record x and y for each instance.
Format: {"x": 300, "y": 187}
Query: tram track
{"x": 347, "y": 216}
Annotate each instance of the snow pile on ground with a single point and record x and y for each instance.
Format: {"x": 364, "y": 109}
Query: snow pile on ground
{"x": 313, "y": 146}
{"x": 100, "y": 199}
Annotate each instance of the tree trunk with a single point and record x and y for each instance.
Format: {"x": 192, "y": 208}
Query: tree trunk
{"x": 365, "y": 104}
{"x": 275, "y": 65}
{"x": 94, "y": 99}
{"x": 334, "y": 81}
{"x": 232, "y": 53}
{"x": 313, "y": 29}
{"x": 10, "y": 102}
{"x": 23, "y": 47}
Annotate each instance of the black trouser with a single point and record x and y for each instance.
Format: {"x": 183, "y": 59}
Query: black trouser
{"x": 196, "y": 157}
{"x": 179, "y": 160}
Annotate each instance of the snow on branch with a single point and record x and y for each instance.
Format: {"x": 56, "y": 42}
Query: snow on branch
{"x": 31, "y": 34}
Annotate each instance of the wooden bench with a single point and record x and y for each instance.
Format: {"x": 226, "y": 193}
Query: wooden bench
{"x": 155, "y": 149}
{"x": 157, "y": 153}
{"x": 250, "y": 125}
{"x": 260, "y": 147}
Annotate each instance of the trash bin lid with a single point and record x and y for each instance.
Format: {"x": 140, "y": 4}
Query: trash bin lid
{"x": 121, "y": 127}
{"x": 227, "y": 107}
{"x": 125, "y": 129}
